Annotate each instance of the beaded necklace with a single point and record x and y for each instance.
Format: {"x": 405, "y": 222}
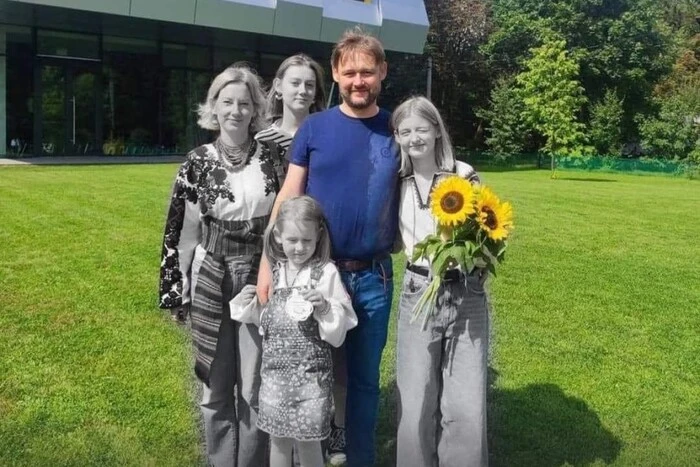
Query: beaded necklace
{"x": 237, "y": 156}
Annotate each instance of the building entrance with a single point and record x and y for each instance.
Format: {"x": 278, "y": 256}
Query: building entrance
{"x": 68, "y": 114}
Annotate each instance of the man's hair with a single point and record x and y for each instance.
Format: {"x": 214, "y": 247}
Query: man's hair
{"x": 422, "y": 107}
{"x": 354, "y": 41}
{"x": 301, "y": 209}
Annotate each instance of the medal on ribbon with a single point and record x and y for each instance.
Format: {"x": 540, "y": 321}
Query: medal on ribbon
{"x": 297, "y": 307}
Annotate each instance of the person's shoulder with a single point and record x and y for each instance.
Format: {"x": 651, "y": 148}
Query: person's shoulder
{"x": 316, "y": 122}
{"x": 200, "y": 154}
{"x": 273, "y": 135}
{"x": 268, "y": 134}
{"x": 197, "y": 160}
{"x": 329, "y": 269}
{"x": 384, "y": 114}
{"x": 323, "y": 115}
{"x": 466, "y": 171}
{"x": 382, "y": 121}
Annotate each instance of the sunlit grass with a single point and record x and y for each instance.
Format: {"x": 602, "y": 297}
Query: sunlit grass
{"x": 595, "y": 323}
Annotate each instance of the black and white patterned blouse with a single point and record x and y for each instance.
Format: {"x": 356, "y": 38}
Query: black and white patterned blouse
{"x": 209, "y": 188}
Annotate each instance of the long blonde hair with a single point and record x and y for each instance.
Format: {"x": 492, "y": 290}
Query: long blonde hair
{"x": 300, "y": 209}
{"x": 422, "y": 107}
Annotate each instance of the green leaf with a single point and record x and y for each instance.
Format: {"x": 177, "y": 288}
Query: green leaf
{"x": 433, "y": 250}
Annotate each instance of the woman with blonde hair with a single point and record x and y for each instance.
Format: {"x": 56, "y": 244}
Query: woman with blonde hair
{"x": 220, "y": 206}
{"x": 440, "y": 367}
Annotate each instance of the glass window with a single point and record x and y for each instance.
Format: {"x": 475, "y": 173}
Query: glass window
{"x": 67, "y": 44}
{"x": 226, "y": 57}
{"x": 186, "y": 56}
{"x": 130, "y": 98}
{"x": 268, "y": 66}
{"x": 129, "y": 45}
{"x": 19, "y": 117}
{"x": 53, "y": 110}
{"x": 185, "y": 90}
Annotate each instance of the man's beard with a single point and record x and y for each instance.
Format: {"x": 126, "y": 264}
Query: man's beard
{"x": 367, "y": 102}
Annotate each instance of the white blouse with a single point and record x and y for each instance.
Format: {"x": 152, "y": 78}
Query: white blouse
{"x": 415, "y": 219}
{"x": 332, "y": 325}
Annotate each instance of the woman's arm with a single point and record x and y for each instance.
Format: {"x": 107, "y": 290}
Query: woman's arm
{"x": 181, "y": 237}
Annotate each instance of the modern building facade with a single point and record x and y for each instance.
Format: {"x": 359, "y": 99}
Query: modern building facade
{"x": 124, "y": 76}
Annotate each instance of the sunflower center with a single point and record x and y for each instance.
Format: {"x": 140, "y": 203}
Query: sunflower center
{"x": 491, "y": 220}
{"x": 452, "y": 202}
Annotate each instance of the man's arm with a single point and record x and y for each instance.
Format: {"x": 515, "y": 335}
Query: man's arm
{"x": 294, "y": 185}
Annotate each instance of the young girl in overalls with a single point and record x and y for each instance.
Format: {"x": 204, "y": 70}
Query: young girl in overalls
{"x": 309, "y": 311}
{"x": 440, "y": 371}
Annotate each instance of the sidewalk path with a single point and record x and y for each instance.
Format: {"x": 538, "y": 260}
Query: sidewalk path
{"x": 92, "y": 160}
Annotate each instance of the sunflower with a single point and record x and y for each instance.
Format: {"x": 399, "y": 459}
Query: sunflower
{"x": 494, "y": 217}
{"x": 452, "y": 201}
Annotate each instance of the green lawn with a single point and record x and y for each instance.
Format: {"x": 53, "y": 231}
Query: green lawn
{"x": 596, "y": 323}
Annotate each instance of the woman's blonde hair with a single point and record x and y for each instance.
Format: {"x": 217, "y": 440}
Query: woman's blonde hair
{"x": 275, "y": 106}
{"x": 239, "y": 72}
{"x": 300, "y": 209}
{"x": 422, "y": 107}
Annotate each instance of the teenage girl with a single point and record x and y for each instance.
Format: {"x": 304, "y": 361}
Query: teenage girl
{"x": 297, "y": 91}
{"x": 440, "y": 371}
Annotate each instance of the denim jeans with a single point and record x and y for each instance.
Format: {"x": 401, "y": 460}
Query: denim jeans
{"x": 371, "y": 291}
{"x": 441, "y": 376}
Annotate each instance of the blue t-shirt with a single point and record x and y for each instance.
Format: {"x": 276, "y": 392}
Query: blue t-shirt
{"x": 353, "y": 167}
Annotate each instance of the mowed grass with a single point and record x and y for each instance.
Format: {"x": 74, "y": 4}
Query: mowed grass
{"x": 595, "y": 323}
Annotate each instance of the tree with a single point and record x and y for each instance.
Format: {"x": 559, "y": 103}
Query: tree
{"x": 461, "y": 80}
{"x": 509, "y": 133}
{"x": 675, "y": 131}
{"x": 681, "y": 15}
{"x": 619, "y": 44}
{"x": 553, "y": 96}
{"x": 606, "y": 118}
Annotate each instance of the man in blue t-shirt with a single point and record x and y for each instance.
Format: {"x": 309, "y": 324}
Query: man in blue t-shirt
{"x": 345, "y": 158}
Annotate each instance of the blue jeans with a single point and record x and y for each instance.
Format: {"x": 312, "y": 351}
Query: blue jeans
{"x": 371, "y": 291}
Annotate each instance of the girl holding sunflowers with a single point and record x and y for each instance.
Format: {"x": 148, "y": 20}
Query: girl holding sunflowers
{"x": 441, "y": 366}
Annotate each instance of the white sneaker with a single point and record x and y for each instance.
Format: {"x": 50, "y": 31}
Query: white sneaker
{"x": 336, "y": 446}
{"x": 337, "y": 459}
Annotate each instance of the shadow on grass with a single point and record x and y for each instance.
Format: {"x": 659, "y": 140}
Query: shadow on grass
{"x": 539, "y": 425}
{"x": 584, "y": 179}
{"x": 506, "y": 168}
{"x": 386, "y": 426}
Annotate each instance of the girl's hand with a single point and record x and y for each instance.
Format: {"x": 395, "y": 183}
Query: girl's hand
{"x": 246, "y": 294}
{"x": 316, "y": 299}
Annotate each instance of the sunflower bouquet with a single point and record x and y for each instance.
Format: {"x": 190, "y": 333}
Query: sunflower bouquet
{"x": 472, "y": 232}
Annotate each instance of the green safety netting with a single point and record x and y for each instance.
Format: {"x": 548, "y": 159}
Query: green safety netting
{"x": 591, "y": 163}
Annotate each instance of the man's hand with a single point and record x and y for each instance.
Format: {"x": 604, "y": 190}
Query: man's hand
{"x": 264, "y": 285}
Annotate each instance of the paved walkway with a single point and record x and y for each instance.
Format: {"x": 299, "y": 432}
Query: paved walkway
{"x": 92, "y": 160}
